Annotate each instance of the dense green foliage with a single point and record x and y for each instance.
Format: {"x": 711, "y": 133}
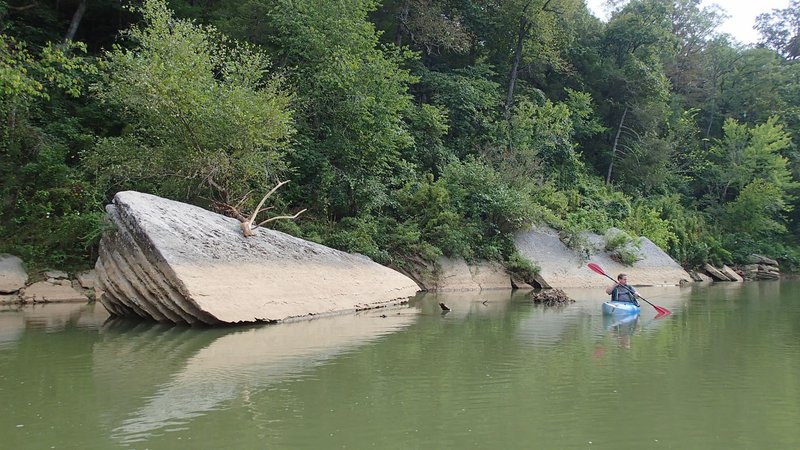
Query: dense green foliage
{"x": 411, "y": 129}
{"x": 199, "y": 112}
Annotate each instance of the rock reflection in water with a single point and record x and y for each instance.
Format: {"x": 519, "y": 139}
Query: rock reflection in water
{"x": 51, "y": 317}
{"x": 213, "y": 367}
{"x": 11, "y": 328}
{"x": 464, "y": 304}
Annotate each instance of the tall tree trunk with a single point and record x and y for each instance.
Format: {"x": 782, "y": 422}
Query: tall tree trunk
{"x": 710, "y": 123}
{"x": 711, "y": 114}
{"x": 522, "y": 32}
{"x": 76, "y": 21}
{"x": 402, "y": 22}
{"x": 524, "y": 25}
{"x": 614, "y": 148}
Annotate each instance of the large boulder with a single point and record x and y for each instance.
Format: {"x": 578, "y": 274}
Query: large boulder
{"x": 169, "y": 261}
{"x": 715, "y": 273}
{"x": 761, "y": 268}
{"x": 87, "y": 279}
{"x": 731, "y": 274}
{"x": 455, "y": 274}
{"x": 754, "y": 272}
{"x": 699, "y": 277}
{"x": 562, "y": 267}
{"x": 760, "y": 259}
{"x": 12, "y": 274}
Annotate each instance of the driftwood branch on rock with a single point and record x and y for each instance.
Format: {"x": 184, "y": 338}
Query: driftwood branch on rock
{"x": 247, "y": 223}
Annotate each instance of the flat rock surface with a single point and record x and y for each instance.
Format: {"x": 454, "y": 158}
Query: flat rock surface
{"x": 716, "y": 274}
{"x": 171, "y": 261}
{"x": 45, "y": 291}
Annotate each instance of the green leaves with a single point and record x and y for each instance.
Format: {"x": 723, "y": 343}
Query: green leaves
{"x": 25, "y": 77}
{"x": 507, "y": 106}
{"x": 201, "y": 109}
{"x": 622, "y": 247}
{"x": 645, "y": 220}
{"x": 48, "y": 205}
{"x": 750, "y": 186}
{"x": 470, "y": 211}
{"x": 353, "y": 102}
{"x": 780, "y": 30}
{"x": 539, "y": 144}
{"x": 472, "y": 100}
{"x": 757, "y": 210}
{"x": 15, "y": 65}
{"x": 745, "y": 154}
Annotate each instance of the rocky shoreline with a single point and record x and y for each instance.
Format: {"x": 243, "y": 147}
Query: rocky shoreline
{"x": 52, "y": 286}
{"x": 57, "y": 286}
{"x": 172, "y": 262}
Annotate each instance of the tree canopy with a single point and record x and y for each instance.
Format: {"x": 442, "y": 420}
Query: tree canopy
{"x": 409, "y": 128}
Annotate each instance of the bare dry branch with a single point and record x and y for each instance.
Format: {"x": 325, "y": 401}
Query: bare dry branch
{"x": 247, "y": 222}
{"x": 282, "y": 217}
{"x": 261, "y": 203}
{"x": 23, "y": 7}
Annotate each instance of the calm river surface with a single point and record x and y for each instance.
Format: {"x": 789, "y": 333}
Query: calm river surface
{"x": 723, "y": 372}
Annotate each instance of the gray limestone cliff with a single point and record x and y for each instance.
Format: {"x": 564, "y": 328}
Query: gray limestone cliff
{"x": 562, "y": 267}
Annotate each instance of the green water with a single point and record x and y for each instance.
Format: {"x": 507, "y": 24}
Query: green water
{"x": 723, "y": 372}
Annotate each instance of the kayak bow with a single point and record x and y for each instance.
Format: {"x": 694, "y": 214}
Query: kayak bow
{"x": 620, "y": 308}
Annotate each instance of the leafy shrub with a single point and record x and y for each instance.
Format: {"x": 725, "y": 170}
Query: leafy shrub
{"x": 744, "y": 244}
{"x": 645, "y": 220}
{"x": 622, "y": 246}
{"x": 355, "y": 234}
{"x": 200, "y": 111}
{"x": 471, "y": 100}
{"x": 586, "y": 205}
{"x": 49, "y": 211}
{"x": 521, "y": 267}
{"x": 578, "y": 241}
{"x": 695, "y": 243}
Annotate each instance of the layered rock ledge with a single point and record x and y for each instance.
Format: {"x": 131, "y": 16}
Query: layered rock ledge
{"x": 173, "y": 262}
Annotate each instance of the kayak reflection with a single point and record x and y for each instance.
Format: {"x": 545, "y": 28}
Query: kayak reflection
{"x": 622, "y": 327}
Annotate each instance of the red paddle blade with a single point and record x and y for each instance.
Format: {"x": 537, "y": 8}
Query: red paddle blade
{"x": 661, "y": 311}
{"x": 596, "y": 268}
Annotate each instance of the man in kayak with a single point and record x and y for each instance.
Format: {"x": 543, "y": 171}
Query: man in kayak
{"x": 621, "y": 292}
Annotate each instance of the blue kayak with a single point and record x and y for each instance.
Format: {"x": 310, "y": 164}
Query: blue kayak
{"x": 620, "y": 308}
